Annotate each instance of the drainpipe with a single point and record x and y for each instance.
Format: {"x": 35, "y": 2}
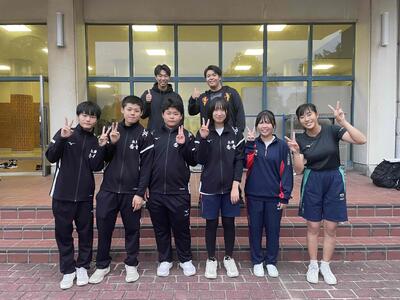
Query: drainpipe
{"x": 398, "y": 84}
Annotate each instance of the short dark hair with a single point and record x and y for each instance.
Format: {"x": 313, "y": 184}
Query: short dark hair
{"x": 89, "y": 108}
{"x": 132, "y": 100}
{"x": 219, "y": 103}
{"x": 172, "y": 103}
{"x": 213, "y": 68}
{"x": 302, "y": 109}
{"x": 159, "y": 68}
{"x": 266, "y": 116}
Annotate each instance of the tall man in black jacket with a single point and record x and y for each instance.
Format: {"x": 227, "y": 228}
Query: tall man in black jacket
{"x": 74, "y": 150}
{"x": 154, "y": 97}
{"x": 129, "y": 156}
{"x": 201, "y": 103}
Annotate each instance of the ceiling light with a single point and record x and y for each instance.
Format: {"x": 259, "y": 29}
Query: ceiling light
{"x": 322, "y": 67}
{"x": 45, "y": 50}
{"x": 102, "y": 86}
{"x": 156, "y": 52}
{"x": 90, "y": 68}
{"x": 4, "y": 68}
{"x": 16, "y": 28}
{"x": 242, "y": 68}
{"x": 273, "y": 28}
{"x": 254, "y": 52}
{"x": 144, "y": 28}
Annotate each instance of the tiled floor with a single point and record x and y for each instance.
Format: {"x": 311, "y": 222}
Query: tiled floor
{"x": 34, "y": 190}
{"x": 356, "y": 280}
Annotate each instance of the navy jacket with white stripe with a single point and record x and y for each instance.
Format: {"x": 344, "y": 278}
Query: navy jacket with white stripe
{"x": 76, "y": 158}
{"x": 222, "y": 159}
{"x": 269, "y": 170}
{"x": 129, "y": 161}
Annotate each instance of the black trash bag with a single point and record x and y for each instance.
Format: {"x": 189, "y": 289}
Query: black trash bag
{"x": 387, "y": 174}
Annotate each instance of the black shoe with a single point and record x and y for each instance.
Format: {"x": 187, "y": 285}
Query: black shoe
{"x": 4, "y": 165}
{"x": 12, "y": 164}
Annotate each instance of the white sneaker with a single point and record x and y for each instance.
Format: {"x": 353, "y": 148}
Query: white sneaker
{"x": 163, "y": 268}
{"x": 188, "y": 268}
{"x": 211, "y": 269}
{"x": 67, "y": 281}
{"x": 312, "y": 273}
{"x": 326, "y": 272}
{"x": 131, "y": 273}
{"x": 272, "y": 271}
{"x": 82, "y": 277}
{"x": 258, "y": 270}
{"x": 230, "y": 267}
{"x": 99, "y": 275}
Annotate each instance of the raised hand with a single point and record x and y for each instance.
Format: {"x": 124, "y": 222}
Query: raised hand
{"x": 149, "y": 97}
{"x": 293, "y": 146}
{"x": 114, "y": 134}
{"x": 196, "y": 93}
{"x": 251, "y": 134}
{"x": 338, "y": 113}
{"x": 204, "y": 131}
{"x": 180, "y": 137}
{"x": 67, "y": 130}
{"x": 103, "y": 139}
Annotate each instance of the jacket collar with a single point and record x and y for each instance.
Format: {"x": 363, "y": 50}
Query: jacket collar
{"x": 168, "y": 90}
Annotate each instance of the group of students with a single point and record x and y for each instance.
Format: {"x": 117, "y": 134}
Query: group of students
{"x": 151, "y": 166}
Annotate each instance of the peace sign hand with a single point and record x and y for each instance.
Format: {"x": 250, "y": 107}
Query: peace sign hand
{"x": 149, "y": 97}
{"x": 103, "y": 139}
{"x": 180, "y": 138}
{"x": 338, "y": 113}
{"x": 114, "y": 134}
{"x": 196, "y": 93}
{"x": 67, "y": 130}
{"x": 204, "y": 131}
{"x": 293, "y": 146}
{"x": 251, "y": 134}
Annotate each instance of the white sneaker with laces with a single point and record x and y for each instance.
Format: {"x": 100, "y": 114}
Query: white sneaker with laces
{"x": 272, "y": 270}
{"x": 312, "y": 273}
{"x": 131, "y": 273}
{"x": 163, "y": 268}
{"x": 188, "y": 268}
{"x": 258, "y": 270}
{"x": 99, "y": 275}
{"x": 326, "y": 272}
{"x": 82, "y": 277}
{"x": 67, "y": 281}
{"x": 211, "y": 269}
{"x": 230, "y": 267}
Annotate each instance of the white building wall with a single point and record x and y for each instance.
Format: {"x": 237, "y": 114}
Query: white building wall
{"x": 375, "y": 87}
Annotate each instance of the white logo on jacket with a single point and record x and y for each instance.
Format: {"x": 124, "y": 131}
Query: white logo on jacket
{"x": 231, "y": 145}
{"x": 134, "y": 145}
{"x": 92, "y": 153}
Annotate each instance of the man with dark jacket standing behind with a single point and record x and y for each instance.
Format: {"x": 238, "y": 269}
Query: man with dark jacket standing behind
{"x": 154, "y": 97}
{"x": 201, "y": 103}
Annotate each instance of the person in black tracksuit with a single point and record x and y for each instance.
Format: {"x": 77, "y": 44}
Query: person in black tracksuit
{"x": 201, "y": 103}
{"x": 129, "y": 156}
{"x": 169, "y": 199}
{"x": 154, "y": 98}
{"x": 220, "y": 151}
{"x": 74, "y": 150}
{"x": 269, "y": 184}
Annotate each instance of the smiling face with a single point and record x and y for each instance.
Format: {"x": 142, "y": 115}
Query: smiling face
{"x": 219, "y": 116}
{"x": 131, "y": 113}
{"x": 172, "y": 117}
{"x": 162, "y": 79}
{"x": 265, "y": 128}
{"x": 86, "y": 121}
{"x": 213, "y": 80}
{"x": 309, "y": 120}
